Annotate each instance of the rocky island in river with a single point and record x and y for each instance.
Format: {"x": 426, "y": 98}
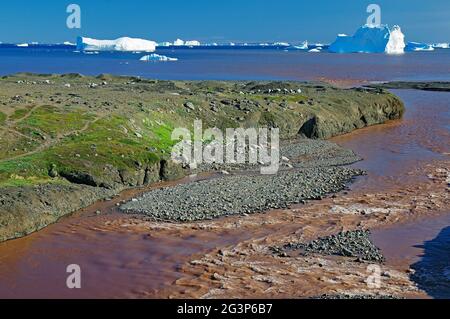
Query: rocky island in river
{"x": 70, "y": 140}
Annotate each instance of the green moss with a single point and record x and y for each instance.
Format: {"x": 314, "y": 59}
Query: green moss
{"x": 20, "y": 113}
{"x": 2, "y": 118}
{"x": 18, "y": 181}
{"x": 53, "y": 121}
{"x": 280, "y": 98}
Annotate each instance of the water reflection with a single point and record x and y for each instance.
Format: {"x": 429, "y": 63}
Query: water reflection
{"x": 432, "y": 272}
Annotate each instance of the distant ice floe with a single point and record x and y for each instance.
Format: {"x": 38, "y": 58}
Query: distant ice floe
{"x": 316, "y": 50}
{"x": 23, "y": 45}
{"x": 303, "y": 46}
{"x": 165, "y": 44}
{"x": 192, "y": 43}
{"x": 441, "y": 45}
{"x": 122, "y": 44}
{"x": 69, "y": 43}
{"x": 371, "y": 39}
{"x": 416, "y": 46}
{"x": 188, "y": 43}
{"x": 178, "y": 43}
{"x": 157, "y": 58}
{"x": 281, "y": 44}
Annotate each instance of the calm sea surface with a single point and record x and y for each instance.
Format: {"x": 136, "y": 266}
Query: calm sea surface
{"x": 230, "y": 63}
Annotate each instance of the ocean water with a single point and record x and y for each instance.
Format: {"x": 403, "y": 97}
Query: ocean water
{"x": 230, "y": 63}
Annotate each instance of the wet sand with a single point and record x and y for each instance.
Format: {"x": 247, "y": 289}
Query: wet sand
{"x": 123, "y": 256}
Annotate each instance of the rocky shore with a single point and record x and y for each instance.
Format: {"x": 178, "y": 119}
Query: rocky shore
{"x": 24, "y": 210}
{"x": 441, "y": 86}
{"x": 69, "y": 140}
{"x": 315, "y": 170}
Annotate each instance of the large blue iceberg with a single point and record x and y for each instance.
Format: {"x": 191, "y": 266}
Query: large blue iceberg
{"x": 371, "y": 39}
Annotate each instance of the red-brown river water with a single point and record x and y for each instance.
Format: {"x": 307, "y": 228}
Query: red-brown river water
{"x": 116, "y": 262}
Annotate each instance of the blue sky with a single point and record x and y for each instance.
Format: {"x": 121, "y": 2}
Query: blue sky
{"x": 218, "y": 20}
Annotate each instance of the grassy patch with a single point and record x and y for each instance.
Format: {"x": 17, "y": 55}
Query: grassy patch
{"x": 19, "y": 181}
{"x": 288, "y": 98}
{"x": 53, "y": 121}
{"x": 29, "y": 168}
{"x": 20, "y": 113}
{"x": 2, "y": 118}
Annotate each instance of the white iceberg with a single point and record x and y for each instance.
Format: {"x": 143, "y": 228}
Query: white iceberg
{"x": 416, "y": 46}
{"x": 122, "y": 44}
{"x": 303, "y": 46}
{"x": 396, "y": 43}
{"x": 371, "y": 39}
{"x": 188, "y": 43}
{"x": 281, "y": 44}
{"x": 157, "y": 58}
{"x": 315, "y": 50}
{"x": 69, "y": 43}
{"x": 23, "y": 45}
{"x": 441, "y": 45}
{"x": 178, "y": 42}
{"x": 192, "y": 43}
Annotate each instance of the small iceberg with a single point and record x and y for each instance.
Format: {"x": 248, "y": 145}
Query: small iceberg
{"x": 416, "y": 46}
{"x": 189, "y": 43}
{"x": 281, "y": 44}
{"x": 178, "y": 43}
{"x": 157, "y": 58}
{"x": 164, "y": 44}
{"x": 315, "y": 50}
{"x": 441, "y": 45}
{"x": 122, "y": 44}
{"x": 371, "y": 39}
{"x": 192, "y": 43}
{"x": 303, "y": 46}
{"x": 23, "y": 45}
